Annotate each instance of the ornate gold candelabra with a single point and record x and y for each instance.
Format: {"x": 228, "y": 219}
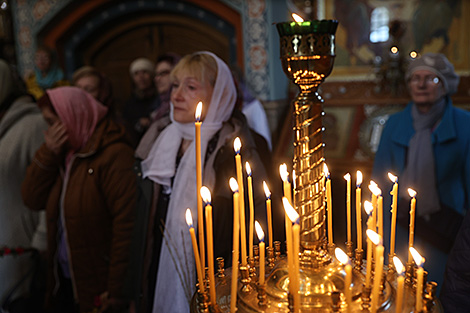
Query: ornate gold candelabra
{"x": 307, "y": 55}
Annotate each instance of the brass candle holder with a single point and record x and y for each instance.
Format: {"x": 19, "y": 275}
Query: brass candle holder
{"x": 307, "y": 56}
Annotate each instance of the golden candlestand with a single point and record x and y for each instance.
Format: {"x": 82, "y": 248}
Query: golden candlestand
{"x": 307, "y": 56}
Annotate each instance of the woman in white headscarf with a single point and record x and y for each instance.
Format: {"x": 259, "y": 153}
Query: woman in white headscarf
{"x": 168, "y": 176}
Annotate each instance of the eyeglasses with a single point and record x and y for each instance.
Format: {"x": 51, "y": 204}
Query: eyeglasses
{"x": 428, "y": 80}
{"x": 162, "y": 73}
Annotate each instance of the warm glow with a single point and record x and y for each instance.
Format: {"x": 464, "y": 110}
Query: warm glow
{"x": 290, "y": 211}
{"x": 341, "y": 256}
{"x": 233, "y": 184}
{"x": 419, "y": 260}
{"x": 248, "y": 168}
{"x": 198, "y": 111}
{"x": 358, "y": 178}
{"x": 413, "y": 54}
{"x": 297, "y": 18}
{"x": 392, "y": 177}
{"x": 368, "y": 207}
{"x": 259, "y": 231}
{"x": 325, "y": 170}
{"x": 375, "y": 190}
{"x": 205, "y": 194}
{"x": 411, "y": 192}
{"x": 266, "y": 189}
{"x": 398, "y": 265}
{"x": 237, "y": 145}
{"x": 374, "y": 237}
{"x": 394, "y": 50}
{"x": 283, "y": 172}
{"x": 347, "y": 177}
{"x": 189, "y": 218}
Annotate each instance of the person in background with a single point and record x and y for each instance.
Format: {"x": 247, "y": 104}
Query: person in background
{"x": 143, "y": 100}
{"x": 21, "y": 128}
{"x": 167, "y": 177}
{"x": 82, "y": 176}
{"x": 427, "y": 145}
{"x": 165, "y": 63}
{"x": 47, "y": 73}
{"x": 96, "y": 84}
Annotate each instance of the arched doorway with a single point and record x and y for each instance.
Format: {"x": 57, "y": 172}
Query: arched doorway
{"x": 110, "y": 34}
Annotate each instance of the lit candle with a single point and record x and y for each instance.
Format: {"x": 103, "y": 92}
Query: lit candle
{"x": 290, "y": 252}
{"x": 200, "y": 277}
{"x": 329, "y": 204}
{"x": 400, "y": 284}
{"x": 380, "y": 211}
{"x": 368, "y": 208}
{"x": 347, "y": 177}
{"x": 238, "y": 160}
{"x": 412, "y": 194}
{"x": 419, "y": 260}
{"x": 206, "y": 197}
{"x": 294, "y": 218}
{"x": 372, "y": 186}
{"x": 285, "y": 180}
{"x": 262, "y": 249}
{"x": 379, "y": 264}
{"x": 394, "y": 194}
{"x": 294, "y": 187}
{"x": 200, "y": 214}
{"x": 252, "y": 210}
{"x": 344, "y": 259}
{"x": 358, "y": 209}
{"x": 269, "y": 213}
{"x": 236, "y": 240}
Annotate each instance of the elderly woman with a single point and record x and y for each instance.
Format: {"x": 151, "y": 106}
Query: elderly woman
{"x": 428, "y": 146}
{"x": 82, "y": 176}
{"x": 166, "y": 270}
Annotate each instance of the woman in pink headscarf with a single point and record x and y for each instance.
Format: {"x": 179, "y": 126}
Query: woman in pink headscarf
{"x": 82, "y": 176}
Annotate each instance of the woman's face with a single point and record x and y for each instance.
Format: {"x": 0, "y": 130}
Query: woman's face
{"x": 42, "y": 59}
{"x": 50, "y": 117}
{"x": 90, "y": 84}
{"x": 162, "y": 77}
{"x": 186, "y": 93}
{"x": 425, "y": 88}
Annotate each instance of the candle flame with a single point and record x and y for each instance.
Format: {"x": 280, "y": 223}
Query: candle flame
{"x": 358, "y": 178}
{"x": 347, "y": 177}
{"x": 368, "y": 207}
{"x": 392, "y": 177}
{"x": 411, "y": 192}
{"x": 398, "y": 265}
{"x": 341, "y": 256}
{"x": 297, "y": 18}
{"x": 374, "y": 237}
{"x": 233, "y": 184}
{"x": 419, "y": 260}
{"x": 205, "y": 194}
{"x": 394, "y": 50}
{"x": 325, "y": 170}
{"x": 237, "y": 145}
{"x": 266, "y": 190}
{"x": 290, "y": 211}
{"x": 413, "y": 54}
{"x": 248, "y": 168}
{"x": 189, "y": 218}
{"x": 198, "y": 111}
{"x": 283, "y": 172}
{"x": 375, "y": 190}
{"x": 259, "y": 231}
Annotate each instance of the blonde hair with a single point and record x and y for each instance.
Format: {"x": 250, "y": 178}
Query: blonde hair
{"x": 202, "y": 66}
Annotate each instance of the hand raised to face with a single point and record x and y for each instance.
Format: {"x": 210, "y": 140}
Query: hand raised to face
{"x": 56, "y": 137}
